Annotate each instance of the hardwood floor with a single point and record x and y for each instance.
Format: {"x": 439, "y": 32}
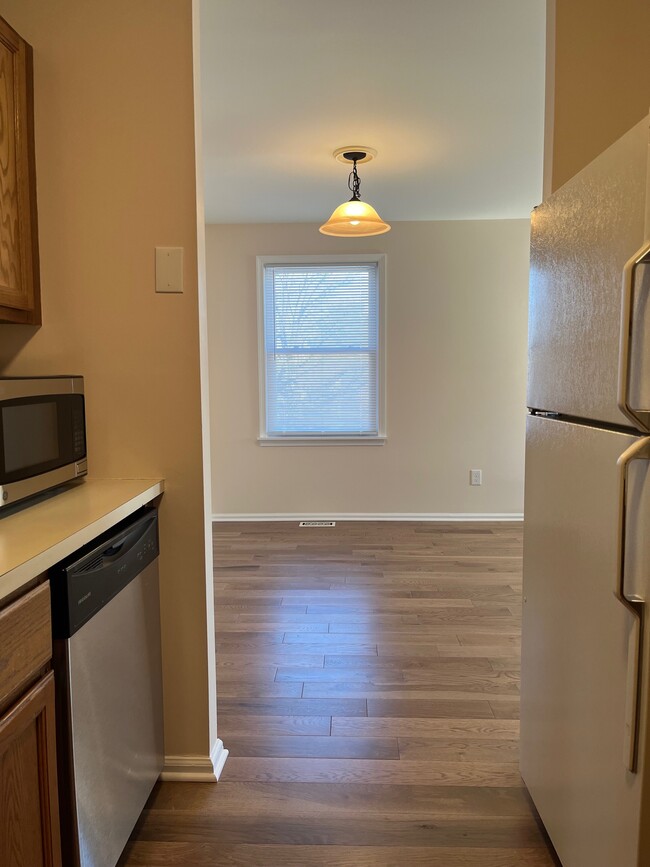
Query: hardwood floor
{"x": 368, "y": 686}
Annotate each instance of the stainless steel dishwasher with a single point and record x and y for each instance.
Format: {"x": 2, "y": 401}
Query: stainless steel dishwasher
{"x": 106, "y": 626}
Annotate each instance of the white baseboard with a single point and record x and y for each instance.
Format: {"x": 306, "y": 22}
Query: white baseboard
{"x": 218, "y": 756}
{"x": 371, "y": 516}
{"x": 196, "y": 769}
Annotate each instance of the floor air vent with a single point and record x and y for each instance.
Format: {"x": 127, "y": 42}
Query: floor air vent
{"x": 318, "y": 524}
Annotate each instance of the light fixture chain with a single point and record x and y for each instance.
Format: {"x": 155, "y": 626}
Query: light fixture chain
{"x": 354, "y": 184}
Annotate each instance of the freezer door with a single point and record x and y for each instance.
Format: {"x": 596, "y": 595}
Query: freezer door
{"x": 580, "y": 641}
{"x": 581, "y": 239}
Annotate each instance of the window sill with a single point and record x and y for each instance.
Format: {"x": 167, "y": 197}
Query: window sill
{"x": 322, "y": 441}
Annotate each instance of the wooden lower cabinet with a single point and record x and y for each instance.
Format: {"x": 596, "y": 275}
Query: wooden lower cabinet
{"x": 29, "y": 828}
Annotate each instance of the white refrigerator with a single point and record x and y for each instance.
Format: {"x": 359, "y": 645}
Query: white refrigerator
{"x": 585, "y": 738}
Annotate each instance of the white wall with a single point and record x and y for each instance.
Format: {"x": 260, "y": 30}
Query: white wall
{"x": 456, "y": 318}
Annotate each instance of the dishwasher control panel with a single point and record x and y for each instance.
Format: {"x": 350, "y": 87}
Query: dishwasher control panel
{"x": 87, "y": 580}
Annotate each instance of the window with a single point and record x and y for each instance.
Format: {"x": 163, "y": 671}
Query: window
{"x": 321, "y": 348}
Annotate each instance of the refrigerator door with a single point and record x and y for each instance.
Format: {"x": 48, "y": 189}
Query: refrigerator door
{"x": 582, "y": 237}
{"x": 580, "y": 643}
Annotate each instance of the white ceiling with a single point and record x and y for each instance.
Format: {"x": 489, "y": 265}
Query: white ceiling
{"x": 449, "y": 92}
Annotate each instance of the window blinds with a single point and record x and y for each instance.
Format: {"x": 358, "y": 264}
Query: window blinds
{"x": 321, "y": 341}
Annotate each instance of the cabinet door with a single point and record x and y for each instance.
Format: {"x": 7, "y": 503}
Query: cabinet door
{"x": 29, "y": 830}
{"x": 19, "y": 272}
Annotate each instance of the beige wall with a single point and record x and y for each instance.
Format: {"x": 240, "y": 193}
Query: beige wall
{"x": 116, "y": 177}
{"x": 456, "y": 315}
{"x": 602, "y": 78}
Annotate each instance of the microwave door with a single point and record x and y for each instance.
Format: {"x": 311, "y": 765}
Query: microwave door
{"x": 42, "y": 443}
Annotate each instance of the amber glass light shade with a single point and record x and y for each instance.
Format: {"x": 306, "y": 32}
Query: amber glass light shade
{"x": 354, "y": 219}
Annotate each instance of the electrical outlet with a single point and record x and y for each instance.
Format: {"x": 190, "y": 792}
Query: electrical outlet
{"x": 476, "y": 477}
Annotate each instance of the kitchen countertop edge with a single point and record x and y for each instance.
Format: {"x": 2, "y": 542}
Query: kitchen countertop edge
{"x": 33, "y": 540}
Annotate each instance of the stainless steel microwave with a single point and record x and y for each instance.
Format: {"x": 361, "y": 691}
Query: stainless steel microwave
{"x": 42, "y": 435}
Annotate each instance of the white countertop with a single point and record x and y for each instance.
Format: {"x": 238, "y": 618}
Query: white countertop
{"x": 37, "y": 537}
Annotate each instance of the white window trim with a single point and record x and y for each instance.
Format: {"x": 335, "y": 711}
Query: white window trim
{"x": 320, "y": 440}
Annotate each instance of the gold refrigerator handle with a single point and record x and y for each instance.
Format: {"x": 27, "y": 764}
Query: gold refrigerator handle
{"x": 640, "y": 418}
{"x": 637, "y": 451}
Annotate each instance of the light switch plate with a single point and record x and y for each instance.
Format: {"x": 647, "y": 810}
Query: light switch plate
{"x": 169, "y": 269}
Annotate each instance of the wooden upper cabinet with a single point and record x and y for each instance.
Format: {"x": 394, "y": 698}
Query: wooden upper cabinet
{"x": 19, "y": 272}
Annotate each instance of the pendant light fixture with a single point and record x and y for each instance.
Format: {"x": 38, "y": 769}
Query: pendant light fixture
{"x": 354, "y": 218}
